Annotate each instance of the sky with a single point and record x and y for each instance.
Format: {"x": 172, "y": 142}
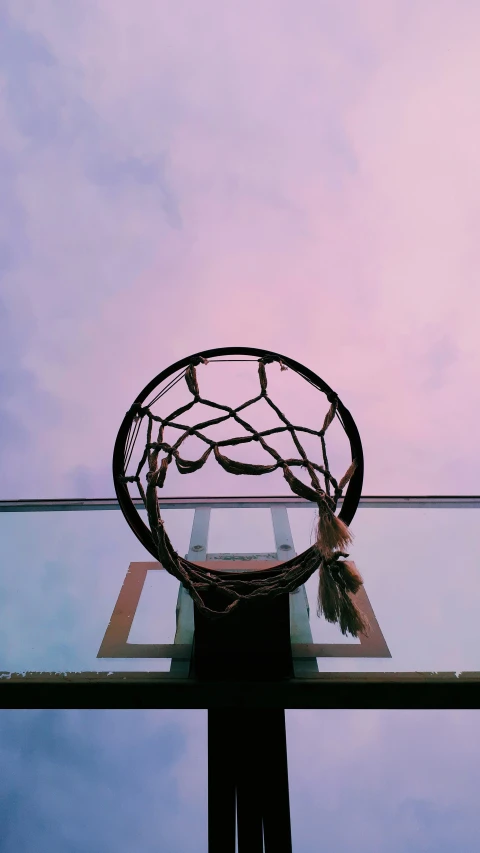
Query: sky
{"x": 302, "y": 177}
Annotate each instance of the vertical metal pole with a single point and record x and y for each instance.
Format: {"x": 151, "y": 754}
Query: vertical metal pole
{"x": 246, "y": 732}
{"x": 199, "y": 535}
{"x": 247, "y": 767}
{"x": 247, "y": 749}
{"x": 282, "y": 533}
{"x": 184, "y": 611}
{"x": 277, "y": 831}
{"x": 221, "y": 783}
{"x": 300, "y": 630}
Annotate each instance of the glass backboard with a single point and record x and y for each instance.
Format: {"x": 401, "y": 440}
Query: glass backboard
{"x": 79, "y": 594}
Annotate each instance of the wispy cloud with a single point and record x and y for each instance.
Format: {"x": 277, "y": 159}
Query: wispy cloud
{"x": 176, "y": 180}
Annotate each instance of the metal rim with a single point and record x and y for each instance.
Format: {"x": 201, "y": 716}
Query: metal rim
{"x": 354, "y": 489}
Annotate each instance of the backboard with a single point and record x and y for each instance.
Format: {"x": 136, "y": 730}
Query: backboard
{"x": 89, "y": 619}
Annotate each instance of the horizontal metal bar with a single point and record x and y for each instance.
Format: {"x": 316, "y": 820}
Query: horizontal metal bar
{"x": 161, "y": 690}
{"x": 172, "y": 651}
{"x": 254, "y": 502}
{"x": 239, "y": 558}
{"x": 309, "y": 651}
{"x": 149, "y": 677}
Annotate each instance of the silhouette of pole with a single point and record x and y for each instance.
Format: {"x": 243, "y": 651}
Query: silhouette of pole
{"x": 248, "y": 793}
{"x": 248, "y": 796}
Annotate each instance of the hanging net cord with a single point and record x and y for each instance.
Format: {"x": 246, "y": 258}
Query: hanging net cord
{"x": 338, "y": 577}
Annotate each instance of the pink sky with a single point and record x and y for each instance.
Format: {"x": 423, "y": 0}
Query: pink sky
{"x": 294, "y": 177}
